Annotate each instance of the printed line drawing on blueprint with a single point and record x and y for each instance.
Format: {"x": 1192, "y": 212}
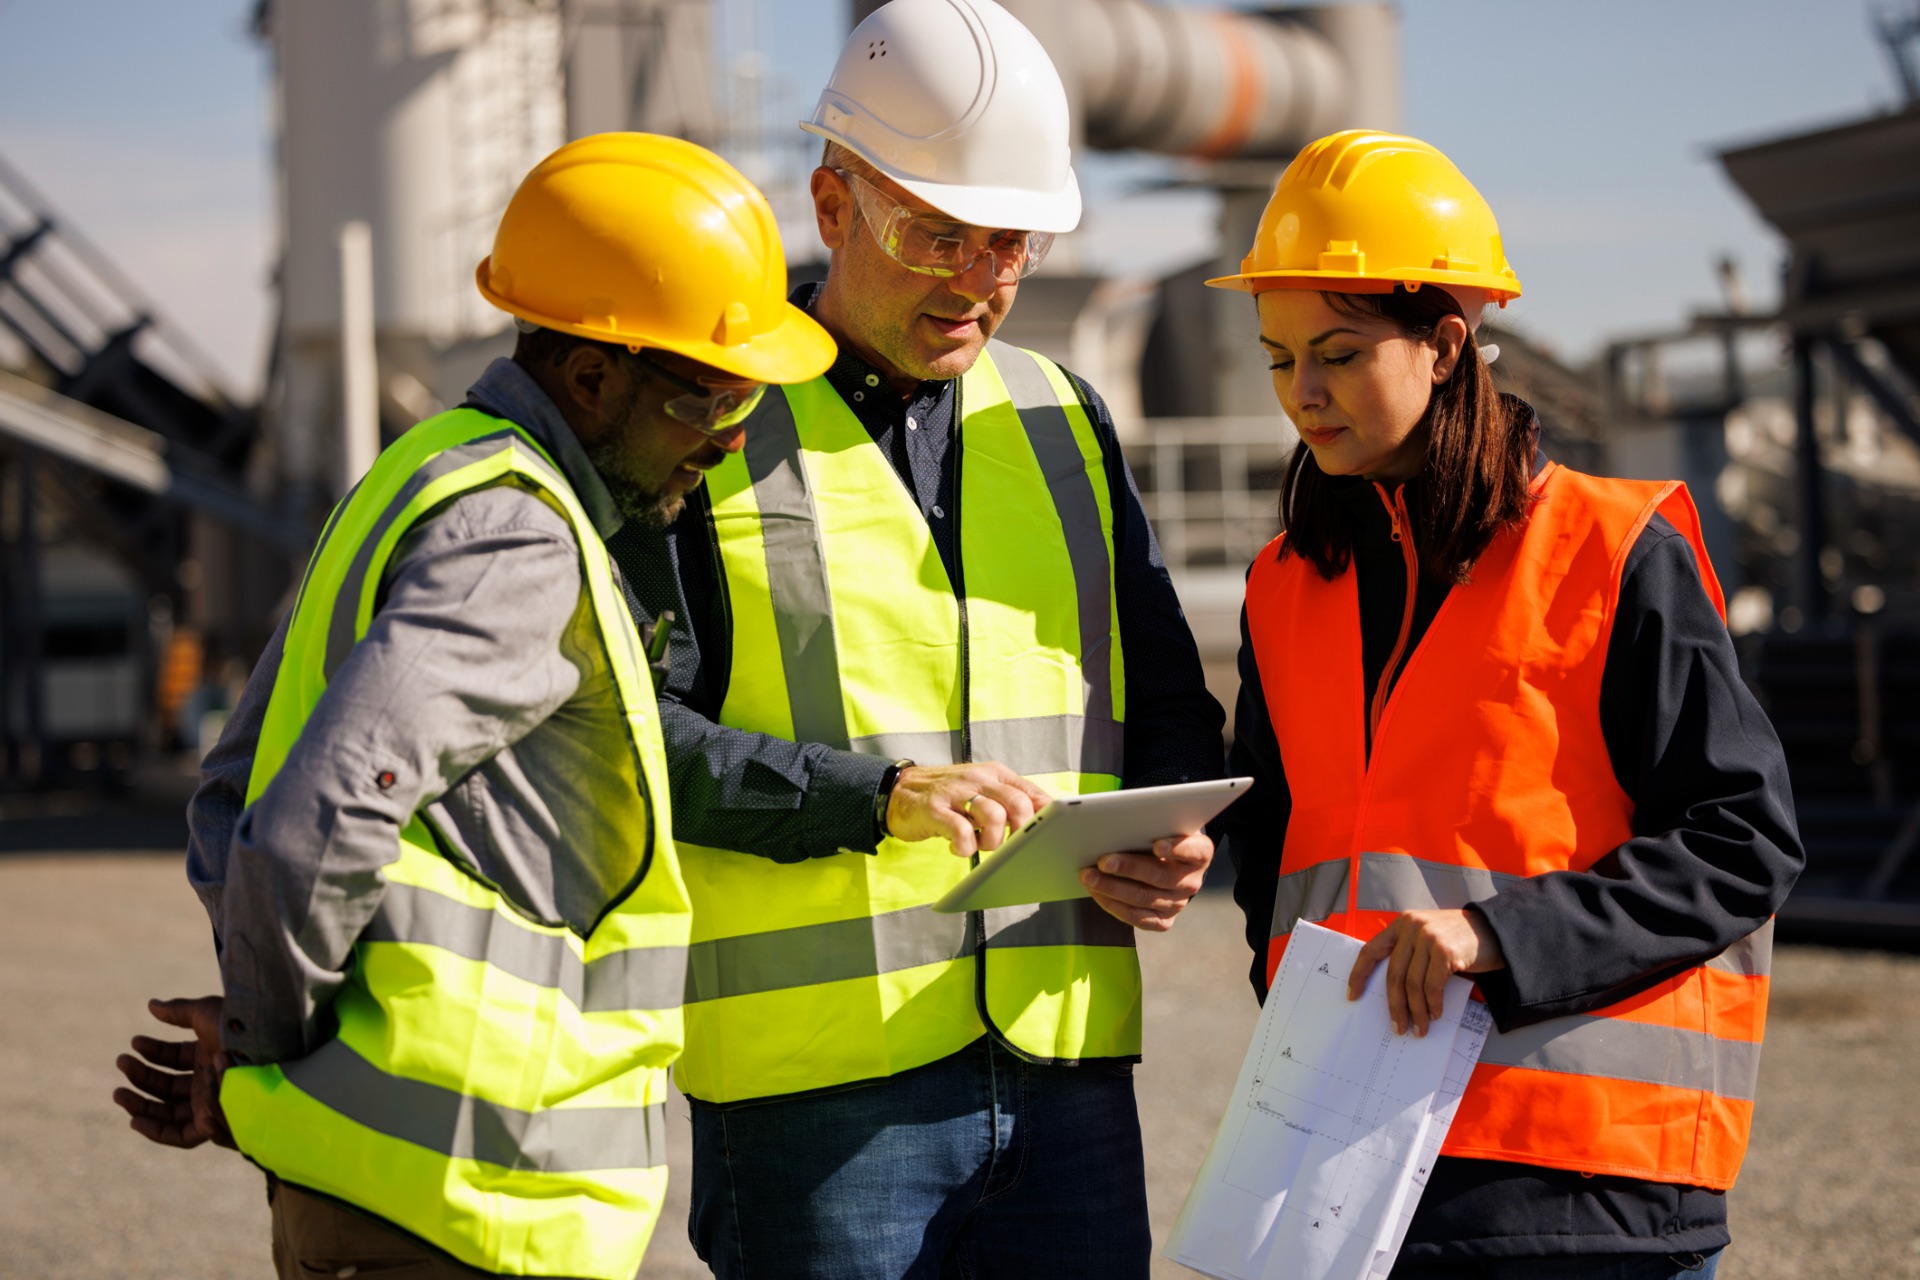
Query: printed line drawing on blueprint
{"x": 1333, "y": 1126}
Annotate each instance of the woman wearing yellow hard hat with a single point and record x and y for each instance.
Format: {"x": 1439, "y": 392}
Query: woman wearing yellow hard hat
{"x": 1499, "y": 731}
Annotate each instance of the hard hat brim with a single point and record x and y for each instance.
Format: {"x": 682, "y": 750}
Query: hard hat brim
{"x": 1500, "y": 289}
{"x": 795, "y": 349}
{"x": 1009, "y": 208}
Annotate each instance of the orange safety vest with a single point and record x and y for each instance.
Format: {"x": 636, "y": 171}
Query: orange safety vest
{"x": 1488, "y": 766}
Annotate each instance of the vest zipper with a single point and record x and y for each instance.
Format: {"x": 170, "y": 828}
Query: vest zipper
{"x": 1402, "y": 534}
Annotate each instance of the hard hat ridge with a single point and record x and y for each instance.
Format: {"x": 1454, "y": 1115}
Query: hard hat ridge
{"x": 1362, "y": 211}
{"x": 958, "y": 103}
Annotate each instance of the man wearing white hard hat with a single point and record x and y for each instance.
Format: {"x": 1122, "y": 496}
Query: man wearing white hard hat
{"x": 923, "y": 600}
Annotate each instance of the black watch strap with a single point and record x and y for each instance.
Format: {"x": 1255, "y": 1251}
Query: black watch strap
{"x": 884, "y": 793}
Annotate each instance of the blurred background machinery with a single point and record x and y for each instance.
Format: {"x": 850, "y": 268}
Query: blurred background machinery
{"x": 151, "y": 528}
{"x": 1800, "y": 432}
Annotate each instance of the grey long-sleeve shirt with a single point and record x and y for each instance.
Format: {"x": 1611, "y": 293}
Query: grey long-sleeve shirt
{"x": 482, "y": 688}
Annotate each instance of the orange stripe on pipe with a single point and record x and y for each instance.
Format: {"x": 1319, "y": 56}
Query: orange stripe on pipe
{"x": 1243, "y": 90}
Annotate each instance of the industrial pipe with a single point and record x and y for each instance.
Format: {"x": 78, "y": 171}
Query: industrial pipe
{"x": 1203, "y": 82}
{"x": 1216, "y": 83}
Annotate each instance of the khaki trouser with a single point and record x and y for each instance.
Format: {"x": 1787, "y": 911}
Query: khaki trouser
{"x": 314, "y": 1238}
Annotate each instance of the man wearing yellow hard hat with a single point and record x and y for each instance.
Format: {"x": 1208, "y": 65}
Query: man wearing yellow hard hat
{"x": 922, "y": 599}
{"x": 434, "y": 839}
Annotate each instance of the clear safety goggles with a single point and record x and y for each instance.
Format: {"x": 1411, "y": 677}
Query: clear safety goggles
{"x": 713, "y": 406}
{"x": 936, "y": 245}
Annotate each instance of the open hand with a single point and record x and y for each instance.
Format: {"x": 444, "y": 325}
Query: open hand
{"x": 180, "y": 1105}
{"x": 1422, "y": 950}
{"x": 1147, "y": 890}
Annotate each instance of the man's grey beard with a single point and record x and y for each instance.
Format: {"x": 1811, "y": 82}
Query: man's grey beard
{"x": 651, "y": 507}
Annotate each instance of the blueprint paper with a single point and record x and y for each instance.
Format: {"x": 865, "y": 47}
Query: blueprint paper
{"x": 1332, "y": 1129}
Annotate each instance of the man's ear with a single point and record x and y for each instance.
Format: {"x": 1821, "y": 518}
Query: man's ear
{"x": 832, "y": 207}
{"x": 1449, "y": 339}
{"x": 583, "y": 379}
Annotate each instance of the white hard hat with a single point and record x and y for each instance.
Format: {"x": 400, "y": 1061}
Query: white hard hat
{"x": 957, "y": 102}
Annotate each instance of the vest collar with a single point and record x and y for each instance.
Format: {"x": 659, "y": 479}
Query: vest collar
{"x": 505, "y": 390}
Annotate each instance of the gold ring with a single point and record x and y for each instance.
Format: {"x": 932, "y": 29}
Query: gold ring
{"x": 967, "y": 808}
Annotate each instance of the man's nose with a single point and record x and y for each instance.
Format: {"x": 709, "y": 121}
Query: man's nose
{"x": 979, "y": 281}
{"x": 733, "y": 439}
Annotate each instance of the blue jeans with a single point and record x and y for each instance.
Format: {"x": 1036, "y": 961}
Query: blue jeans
{"x": 978, "y": 1165}
{"x": 1619, "y": 1266}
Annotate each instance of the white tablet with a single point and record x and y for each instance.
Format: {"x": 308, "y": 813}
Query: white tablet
{"x": 1041, "y": 862}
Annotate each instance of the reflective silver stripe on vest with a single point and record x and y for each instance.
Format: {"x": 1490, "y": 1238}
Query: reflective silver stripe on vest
{"x": 646, "y": 978}
{"x": 343, "y": 626}
{"x": 1397, "y": 882}
{"x": 868, "y": 946}
{"x": 1751, "y": 957}
{"x": 810, "y": 954}
{"x": 1313, "y": 894}
{"x": 1388, "y": 882}
{"x": 1065, "y": 468}
{"x": 796, "y": 573}
{"x": 1621, "y": 1050}
{"x": 1031, "y": 745}
{"x": 562, "y": 1140}
{"x": 1077, "y": 922}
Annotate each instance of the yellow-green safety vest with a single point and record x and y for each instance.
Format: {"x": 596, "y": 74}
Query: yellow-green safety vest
{"x": 847, "y": 630}
{"x": 497, "y": 1085}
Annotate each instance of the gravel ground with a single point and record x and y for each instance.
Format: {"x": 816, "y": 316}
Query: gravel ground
{"x": 1831, "y": 1186}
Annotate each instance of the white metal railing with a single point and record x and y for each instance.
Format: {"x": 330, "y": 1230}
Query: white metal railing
{"x": 1210, "y": 486}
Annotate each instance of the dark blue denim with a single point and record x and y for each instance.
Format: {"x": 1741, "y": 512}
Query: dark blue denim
{"x": 1619, "y": 1266}
{"x": 978, "y": 1165}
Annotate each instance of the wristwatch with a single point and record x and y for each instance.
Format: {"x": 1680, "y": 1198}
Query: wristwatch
{"x": 884, "y": 794}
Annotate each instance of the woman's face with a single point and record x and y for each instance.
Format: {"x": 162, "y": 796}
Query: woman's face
{"x": 1355, "y": 389}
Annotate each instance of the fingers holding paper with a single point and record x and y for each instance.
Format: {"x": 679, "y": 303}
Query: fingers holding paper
{"x": 1147, "y": 890}
{"x": 1422, "y": 950}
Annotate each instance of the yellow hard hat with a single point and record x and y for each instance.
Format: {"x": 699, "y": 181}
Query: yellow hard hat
{"x": 653, "y": 242}
{"x": 1361, "y": 212}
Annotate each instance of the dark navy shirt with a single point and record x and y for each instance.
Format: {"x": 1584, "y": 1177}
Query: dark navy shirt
{"x": 790, "y": 801}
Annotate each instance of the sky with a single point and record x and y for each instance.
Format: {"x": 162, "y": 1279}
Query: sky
{"x": 1591, "y": 128}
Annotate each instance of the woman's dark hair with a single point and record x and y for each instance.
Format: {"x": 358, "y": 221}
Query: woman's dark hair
{"x": 1479, "y": 466}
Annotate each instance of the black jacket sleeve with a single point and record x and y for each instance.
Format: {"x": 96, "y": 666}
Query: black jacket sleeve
{"x": 1714, "y": 847}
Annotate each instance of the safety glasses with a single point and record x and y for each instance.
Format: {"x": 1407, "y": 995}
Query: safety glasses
{"x": 936, "y": 245}
{"x": 712, "y": 408}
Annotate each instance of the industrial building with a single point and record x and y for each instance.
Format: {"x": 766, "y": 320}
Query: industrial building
{"x": 151, "y": 529}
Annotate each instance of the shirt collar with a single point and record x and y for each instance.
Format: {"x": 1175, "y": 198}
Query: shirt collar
{"x": 505, "y": 390}
{"x": 849, "y": 373}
